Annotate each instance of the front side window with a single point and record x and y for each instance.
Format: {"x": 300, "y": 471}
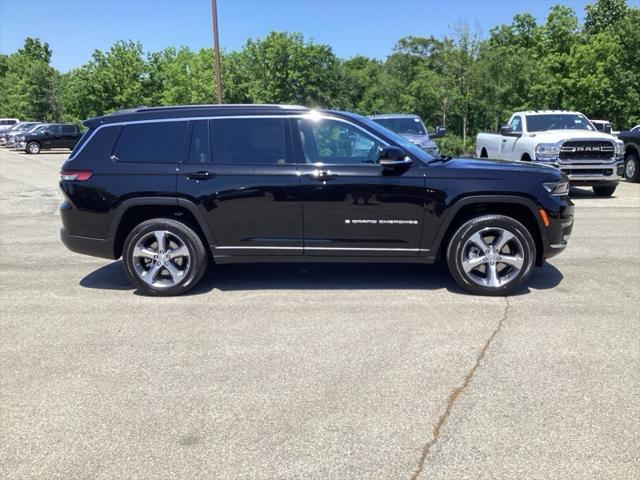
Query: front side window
{"x": 248, "y": 141}
{"x": 330, "y": 141}
{"x": 516, "y": 124}
{"x": 154, "y": 142}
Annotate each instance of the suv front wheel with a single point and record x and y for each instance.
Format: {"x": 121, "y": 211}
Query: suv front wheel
{"x": 164, "y": 257}
{"x": 491, "y": 255}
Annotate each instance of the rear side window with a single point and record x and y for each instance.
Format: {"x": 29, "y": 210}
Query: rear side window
{"x": 68, "y": 129}
{"x": 97, "y": 144}
{"x": 156, "y": 142}
{"x": 248, "y": 141}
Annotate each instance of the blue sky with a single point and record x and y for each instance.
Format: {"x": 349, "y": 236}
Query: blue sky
{"x": 74, "y": 28}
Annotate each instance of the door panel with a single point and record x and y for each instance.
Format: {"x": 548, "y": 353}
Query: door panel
{"x": 248, "y": 192}
{"x": 351, "y": 205}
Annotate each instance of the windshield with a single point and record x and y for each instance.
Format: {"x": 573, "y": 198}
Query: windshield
{"x": 397, "y": 139}
{"x": 561, "y": 121}
{"x": 402, "y": 125}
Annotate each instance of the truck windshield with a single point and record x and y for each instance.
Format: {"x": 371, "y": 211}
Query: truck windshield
{"x": 402, "y": 125}
{"x": 561, "y": 121}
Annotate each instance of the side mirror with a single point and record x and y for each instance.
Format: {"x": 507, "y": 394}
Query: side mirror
{"x": 507, "y": 131}
{"x": 393, "y": 157}
{"x": 439, "y": 133}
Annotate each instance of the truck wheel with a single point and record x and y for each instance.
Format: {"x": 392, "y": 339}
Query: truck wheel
{"x": 164, "y": 257}
{"x": 33, "y": 147}
{"x": 483, "y": 154}
{"x": 632, "y": 168}
{"x": 491, "y": 255}
{"x": 603, "y": 191}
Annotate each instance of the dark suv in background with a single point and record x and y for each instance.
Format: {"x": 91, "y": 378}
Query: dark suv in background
{"x": 49, "y": 136}
{"x": 168, "y": 188}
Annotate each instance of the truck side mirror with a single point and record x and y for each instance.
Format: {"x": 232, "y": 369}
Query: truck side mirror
{"x": 507, "y": 131}
{"x": 439, "y": 133}
{"x": 393, "y": 157}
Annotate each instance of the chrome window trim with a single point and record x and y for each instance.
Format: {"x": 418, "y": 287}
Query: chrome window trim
{"x": 226, "y": 117}
{"x": 253, "y": 247}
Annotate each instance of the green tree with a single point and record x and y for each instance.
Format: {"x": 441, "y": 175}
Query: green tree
{"x": 604, "y": 15}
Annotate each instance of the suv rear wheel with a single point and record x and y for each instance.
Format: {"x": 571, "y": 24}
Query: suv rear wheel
{"x": 164, "y": 257}
{"x": 491, "y": 255}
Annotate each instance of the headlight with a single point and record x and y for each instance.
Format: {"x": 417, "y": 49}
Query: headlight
{"x": 556, "y": 188}
{"x": 619, "y": 149}
{"x": 20, "y": 138}
{"x": 547, "y": 151}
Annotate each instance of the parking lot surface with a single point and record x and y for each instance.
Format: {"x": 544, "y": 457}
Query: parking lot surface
{"x": 315, "y": 371}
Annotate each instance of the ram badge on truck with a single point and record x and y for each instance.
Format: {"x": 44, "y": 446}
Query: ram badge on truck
{"x": 565, "y": 140}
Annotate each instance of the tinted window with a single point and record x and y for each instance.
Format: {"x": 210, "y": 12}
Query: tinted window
{"x": 8, "y": 122}
{"x": 159, "y": 142}
{"x": 199, "y": 150}
{"x": 333, "y": 142}
{"x": 248, "y": 141}
{"x": 402, "y": 125}
{"x": 68, "y": 129}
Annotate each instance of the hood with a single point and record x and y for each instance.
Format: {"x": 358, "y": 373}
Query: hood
{"x": 484, "y": 168}
{"x": 420, "y": 140}
{"x": 554, "y": 136}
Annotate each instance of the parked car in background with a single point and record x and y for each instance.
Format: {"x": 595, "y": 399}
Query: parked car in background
{"x": 565, "y": 140}
{"x": 8, "y": 138}
{"x": 166, "y": 188}
{"x": 12, "y": 128}
{"x": 412, "y": 128}
{"x": 49, "y": 136}
{"x": 6, "y": 123}
{"x": 631, "y": 139}
{"x": 603, "y": 126}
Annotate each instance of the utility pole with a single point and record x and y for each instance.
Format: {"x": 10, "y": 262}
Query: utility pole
{"x": 216, "y": 50}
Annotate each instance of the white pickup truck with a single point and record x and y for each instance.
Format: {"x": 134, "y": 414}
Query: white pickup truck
{"x": 565, "y": 140}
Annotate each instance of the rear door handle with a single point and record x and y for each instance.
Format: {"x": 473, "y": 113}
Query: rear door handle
{"x": 201, "y": 175}
{"x": 321, "y": 175}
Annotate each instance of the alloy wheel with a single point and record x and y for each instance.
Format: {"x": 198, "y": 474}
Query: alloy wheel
{"x": 161, "y": 259}
{"x": 492, "y": 257}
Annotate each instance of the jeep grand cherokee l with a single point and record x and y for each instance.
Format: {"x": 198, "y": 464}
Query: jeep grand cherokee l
{"x": 170, "y": 188}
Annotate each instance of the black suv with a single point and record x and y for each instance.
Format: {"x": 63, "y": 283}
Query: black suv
{"x": 166, "y": 188}
{"x": 48, "y": 136}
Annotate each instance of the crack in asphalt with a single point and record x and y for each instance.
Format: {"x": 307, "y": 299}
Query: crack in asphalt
{"x": 455, "y": 394}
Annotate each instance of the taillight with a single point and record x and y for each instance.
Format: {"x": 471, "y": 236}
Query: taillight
{"x": 77, "y": 175}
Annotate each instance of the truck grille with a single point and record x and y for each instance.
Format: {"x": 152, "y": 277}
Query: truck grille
{"x": 586, "y": 150}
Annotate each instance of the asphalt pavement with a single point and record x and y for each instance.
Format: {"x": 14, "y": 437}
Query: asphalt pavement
{"x": 315, "y": 371}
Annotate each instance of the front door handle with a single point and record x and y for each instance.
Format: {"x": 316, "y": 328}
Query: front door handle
{"x": 321, "y": 175}
{"x": 201, "y": 175}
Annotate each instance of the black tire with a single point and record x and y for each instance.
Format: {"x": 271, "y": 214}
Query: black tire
{"x": 32, "y": 147}
{"x": 632, "y": 168}
{"x": 513, "y": 278}
{"x": 526, "y": 157}
{"x": 604, "y": 191}
{"x": 177, "y": 232}
{"x": 483, "y": 154}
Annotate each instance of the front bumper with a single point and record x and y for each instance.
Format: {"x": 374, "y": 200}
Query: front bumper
{"x": 556, "y": 235}
{"x": 586, "y": 172}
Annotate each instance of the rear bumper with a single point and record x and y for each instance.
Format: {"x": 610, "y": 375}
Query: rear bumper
{"x": 96, "y": 247}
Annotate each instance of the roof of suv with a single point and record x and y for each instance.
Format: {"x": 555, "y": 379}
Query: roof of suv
{"x": 394, "y": 115}
{"x": 190, "y": 111}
